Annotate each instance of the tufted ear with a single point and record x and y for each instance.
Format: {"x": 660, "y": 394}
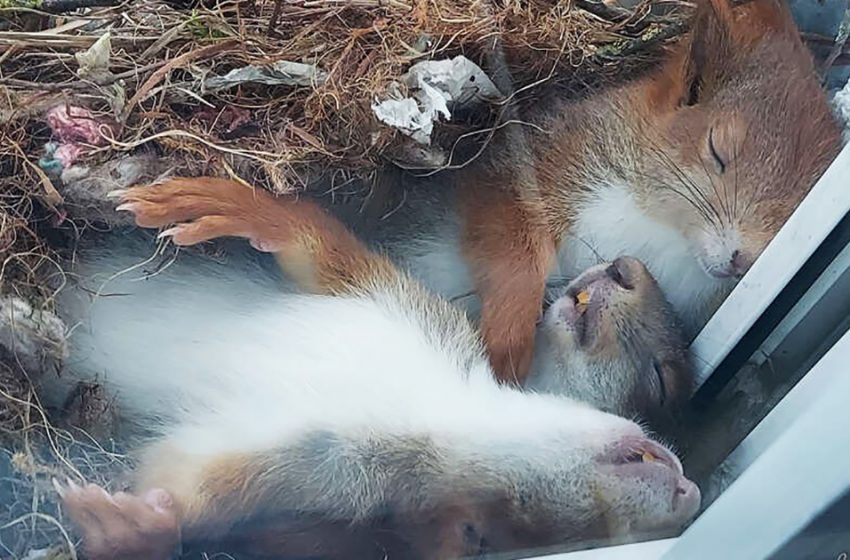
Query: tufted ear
{"x": 723, "y": 34}
{"x": 756, "y": 18}
{"x": 708, "y": 49}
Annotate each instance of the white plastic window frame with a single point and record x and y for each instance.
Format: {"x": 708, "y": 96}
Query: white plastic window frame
{"x": 802, "y": 467}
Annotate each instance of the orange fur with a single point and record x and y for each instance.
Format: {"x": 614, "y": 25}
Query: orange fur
{"x": 510, "y": 256}
{"x": 313, "y": 247}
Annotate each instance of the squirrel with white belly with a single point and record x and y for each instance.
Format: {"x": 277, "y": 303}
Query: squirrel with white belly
{"x": 691, "y": 168}
{"x": 291, "y": 425}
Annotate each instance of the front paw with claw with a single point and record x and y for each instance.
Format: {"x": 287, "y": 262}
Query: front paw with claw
{"x": 200, "y": 209}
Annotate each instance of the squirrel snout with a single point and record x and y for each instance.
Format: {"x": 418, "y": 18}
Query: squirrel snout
{"x": 733, "y": 264}
{"x": 725, "y": 256}
{"x": 740, "y": 263}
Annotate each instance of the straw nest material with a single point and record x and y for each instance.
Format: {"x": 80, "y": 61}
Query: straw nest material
{"x": 275, "y": 93}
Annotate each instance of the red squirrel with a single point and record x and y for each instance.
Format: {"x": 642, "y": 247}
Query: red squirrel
{"x": 272, "y": 420}
{"x": 691, "y": 168}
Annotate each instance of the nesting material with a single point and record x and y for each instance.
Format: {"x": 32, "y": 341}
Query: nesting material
{"x": 438, "y": 86}
{"x": 74, "y": 128}
{"x": 307, "y": 73}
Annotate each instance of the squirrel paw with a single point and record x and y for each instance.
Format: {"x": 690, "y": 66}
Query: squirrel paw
{"x": 121, "y": 525}
{"x": 511, "y": 354}
{"x": 198, "y": 209}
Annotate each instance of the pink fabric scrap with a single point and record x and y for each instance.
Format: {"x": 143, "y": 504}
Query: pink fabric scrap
{"x": 75, "y": 124}
{"x": 75, "y": 127}
{"x": 67, "y": 154}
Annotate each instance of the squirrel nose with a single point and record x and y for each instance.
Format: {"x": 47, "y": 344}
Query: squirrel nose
{"x": 740, "y": 263}
{"x": 736, "y": 266}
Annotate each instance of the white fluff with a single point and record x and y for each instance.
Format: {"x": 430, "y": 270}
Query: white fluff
{"x": 841, "y": 106}
{"x": 610, "y": 224}
{"x": 242, "y": 366}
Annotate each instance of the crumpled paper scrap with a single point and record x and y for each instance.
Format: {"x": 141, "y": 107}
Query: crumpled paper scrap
{"x": 94, "y": 67}
{"x": 437, "y": 85}
{"x": 94, "y": 61}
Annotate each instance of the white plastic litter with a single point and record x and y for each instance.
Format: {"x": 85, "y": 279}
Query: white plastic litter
{"x": 280, "y": 73}
{"x": 94, "y": 67}
{"x": 459, "y": 79}
{"x": 436, "y": 85}
{"x": 841, "y": 105}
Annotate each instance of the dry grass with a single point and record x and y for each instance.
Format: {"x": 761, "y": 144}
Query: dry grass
{"x": 31, "y": 518}
{"x": 277, "y": 136}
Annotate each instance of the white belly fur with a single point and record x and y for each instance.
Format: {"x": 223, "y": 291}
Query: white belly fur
{"x": 610, "y": 224}
{"x": 438, "y": 263}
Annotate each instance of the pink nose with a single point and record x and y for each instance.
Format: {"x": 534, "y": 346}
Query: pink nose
{"x": 687, "y": 498}
{"x": 737, "y": 265}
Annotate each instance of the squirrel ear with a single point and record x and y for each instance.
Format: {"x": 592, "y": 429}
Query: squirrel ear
{"x": 707, "y": 49}
{"x": 757, "y": 18}
{"x": 721, "y": 34}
